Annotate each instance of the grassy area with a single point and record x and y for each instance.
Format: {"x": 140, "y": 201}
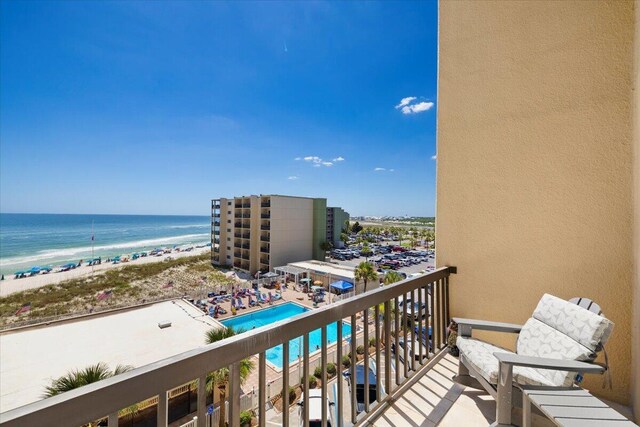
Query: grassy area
{"x": 130, "y": 284}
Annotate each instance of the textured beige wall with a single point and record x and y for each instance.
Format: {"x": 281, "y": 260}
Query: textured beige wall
{"x": 635, "y": 373}
{"x": 291, "y": 230}
{"x": 534, "y": 176}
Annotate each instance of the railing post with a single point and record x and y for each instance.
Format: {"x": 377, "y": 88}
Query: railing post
{"x": 376, "y": 313}
{"x": 305, "y": 374}
{"x": 323, "y": 370}
{"x": 285, "y": 384}
{"x": 354, "y": 360}
{"x": 163, "y": 407}
{"x": 338, "y": 401}
{"x": 387, "y": 347}
{"x": 234, "y": 395}
{"x": 202, "y": 401}
{"x": 262, "y": 379}
{"x": 365, "y": 316}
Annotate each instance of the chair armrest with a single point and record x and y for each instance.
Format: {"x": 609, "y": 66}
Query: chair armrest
{"x": 485, "y": 325}
{"x": 546, "y": 363}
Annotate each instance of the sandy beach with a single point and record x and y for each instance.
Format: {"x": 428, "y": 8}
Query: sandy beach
{"x": 11, "y": 285}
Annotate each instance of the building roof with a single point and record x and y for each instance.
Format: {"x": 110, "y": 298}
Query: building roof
{"x": 31, "y": 357}
{"x": 325, "y": 268}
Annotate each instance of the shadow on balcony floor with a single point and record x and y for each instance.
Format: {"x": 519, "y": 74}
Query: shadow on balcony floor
{"x": 434, "y": 399}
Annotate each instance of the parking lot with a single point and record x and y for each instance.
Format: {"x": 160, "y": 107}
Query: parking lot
{"x": 414, "y": 268}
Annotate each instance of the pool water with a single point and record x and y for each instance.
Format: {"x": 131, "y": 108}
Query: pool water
{"x": 273, "y": 314}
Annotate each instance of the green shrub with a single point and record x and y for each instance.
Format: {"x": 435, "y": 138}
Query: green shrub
{"x": 360, "y": 349}
{"x": 292, "y": 395}
{"x": 372, "y": 342}
{"x": 346, "y": 361}
{"x": 317, "y": 372}
{"x": 331, "y": 369}
{"x": 245, "y": 417}
{"x": 313, "y": 382}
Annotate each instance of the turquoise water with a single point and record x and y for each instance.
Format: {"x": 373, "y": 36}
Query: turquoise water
{"x": 54, "y": 239}
{"x": 280, "y": 312}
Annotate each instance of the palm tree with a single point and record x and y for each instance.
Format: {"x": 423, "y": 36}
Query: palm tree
{"x": 392, "y": 277}
{"x": 366, "y": 251}
{"x": 78, "y": 378}
{"x": 221, "y": 376}
{"x": 365, "y": 272}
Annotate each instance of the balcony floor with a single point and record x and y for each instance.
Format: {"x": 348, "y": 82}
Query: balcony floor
{"x": 433, "y": 399}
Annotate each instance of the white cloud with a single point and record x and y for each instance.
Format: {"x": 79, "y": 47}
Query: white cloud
{"x": 405, "y": 101}
{"x": 417, "y": 108}
{"x": 379, "y": 169}
{"x": 293, "y": 178}
{"x": 391, "y": 170}
{"x": 317, "y": 162}
{"x": 434, "y": 157}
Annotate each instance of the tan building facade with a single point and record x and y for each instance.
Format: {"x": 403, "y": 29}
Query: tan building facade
{"x": 538, "y": 165}
{"x": 257, "y": 233}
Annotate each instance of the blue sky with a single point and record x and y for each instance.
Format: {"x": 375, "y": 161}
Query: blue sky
{"x": 157, "y": 107}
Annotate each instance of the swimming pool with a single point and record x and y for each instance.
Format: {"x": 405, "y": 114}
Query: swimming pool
{"x": 273, "y": 314}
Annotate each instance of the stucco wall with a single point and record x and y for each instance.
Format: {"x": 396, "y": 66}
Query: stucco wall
{"x": 534, "y": 178}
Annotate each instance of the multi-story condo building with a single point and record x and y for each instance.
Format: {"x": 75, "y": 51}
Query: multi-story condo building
{"x": 257, "y": 233}
{"x": 336, "y": 217}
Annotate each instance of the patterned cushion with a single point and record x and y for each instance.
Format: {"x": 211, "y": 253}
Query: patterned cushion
{"x": 584, "y": 326}
{"x": 540, "y": 340}
{"x": 480, "y": 355}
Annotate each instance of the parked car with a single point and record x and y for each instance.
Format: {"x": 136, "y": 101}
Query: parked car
{"x": 316, "y": 400}
{"x": 357, "y": 386}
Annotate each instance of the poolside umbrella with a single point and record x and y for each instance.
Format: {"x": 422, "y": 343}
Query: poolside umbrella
{"x": 318, "y": 282}
{"x": 305, "y": 280}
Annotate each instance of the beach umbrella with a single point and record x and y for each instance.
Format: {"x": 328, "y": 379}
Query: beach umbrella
{"x": 35, "y": 269}
{"x": 20, "y": 273}
{"x": 305, "y": 280}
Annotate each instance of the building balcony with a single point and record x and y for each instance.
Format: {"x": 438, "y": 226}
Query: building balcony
{"x": 264, "y": 238}
{"x": 265, "y": 216}
{"x": 216, "y": 223}
{"x": 246, "y": 205}
{"x": 264, "y": 249}
{"x": 216, "y": 215}
{"x": 264, "y": 260}
{"x": 108, "y": 397}
{"x": 237, "y": 245}
{"x": 265, "y": 227}
{"x": 238, "y": 225}
{"x": 265, "y": 204}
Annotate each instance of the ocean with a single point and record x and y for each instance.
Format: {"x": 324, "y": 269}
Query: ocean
{"x": 28, "y": 240}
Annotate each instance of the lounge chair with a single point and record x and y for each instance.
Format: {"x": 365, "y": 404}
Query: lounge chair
{"x": 275, "y": 297}
{"x": 239, "y": 303}
{"x": 252, "y": 302}
{"x": 265, "y": 298}
{"x": 555, "y": 347}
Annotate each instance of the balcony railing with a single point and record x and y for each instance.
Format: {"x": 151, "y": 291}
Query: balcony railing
{"x": 265, "y": 204}
{"x": 264, "y": 238}
{"x": 216, "y": 215}
{"x": 246, "y": 205}
{"x": 264, "y": 249}
{"x": 265, "y": 216}
{"x": 265, "y": 227}
{"x": 264, "y": 261}
{"x": 237, "y": 245}
{"x": 238, "y": 224}
{"x": 382, "y": 317}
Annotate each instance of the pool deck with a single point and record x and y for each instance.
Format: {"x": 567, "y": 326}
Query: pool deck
{"x": 289, "y": 294}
